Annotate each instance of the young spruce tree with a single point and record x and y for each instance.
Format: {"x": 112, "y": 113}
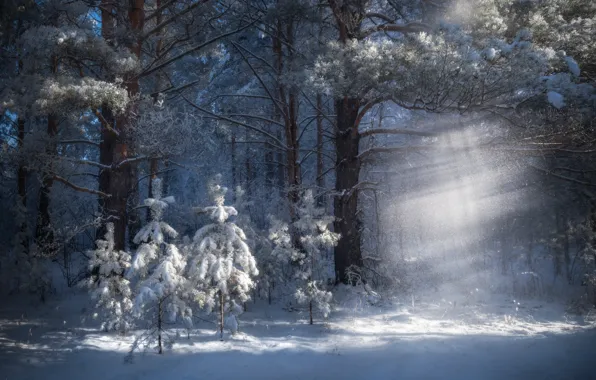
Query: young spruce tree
{"x": 108, "y": 285}
{"x": 308, "y": 259}
{"x": 221, "y": 264}
{"x": 159, "y": 268}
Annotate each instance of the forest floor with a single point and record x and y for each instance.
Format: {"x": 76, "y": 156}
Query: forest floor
{"x": 416, "y": 339}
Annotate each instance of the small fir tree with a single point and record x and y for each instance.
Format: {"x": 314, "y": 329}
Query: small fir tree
{"x": 258, "y": 243}
{"x": 308, "y": 259}
{"x": 108, "y": 285}
{"x": 222, "y": 266}
{"x": 159, "y": 268}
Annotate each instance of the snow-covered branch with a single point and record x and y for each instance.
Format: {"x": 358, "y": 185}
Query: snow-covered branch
{"x": 411, "y": 27}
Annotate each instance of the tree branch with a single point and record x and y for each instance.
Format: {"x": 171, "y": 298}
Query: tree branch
{"x": 79, "y": 188}
{"x": 396, "y": 131}
{"x": 279, "y": 144}
{"x": 379, "y": 15}
{"x": 279, "y": 107}
{"x": 158, "y": 11}
{"x": 411, "y": 27}
{"x": 163, "y": 24}
{"x": 393, "y": 149}
{"x": 88, "y": 142}
{"x": 548, "y": 172}
{"x": 193, "y": 49}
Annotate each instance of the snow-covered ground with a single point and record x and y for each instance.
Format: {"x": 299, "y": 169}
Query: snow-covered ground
{"x": 426, "y": 340}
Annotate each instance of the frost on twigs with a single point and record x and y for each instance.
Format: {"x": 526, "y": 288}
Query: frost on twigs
{"x": 412, "y": 70}
{"x": 162, "y": 130}
{"x": 84, "y": 44}
{"x": 67, "y": 70}
{"x": 63, "y": 95}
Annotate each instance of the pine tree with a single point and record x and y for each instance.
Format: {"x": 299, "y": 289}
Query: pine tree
{"x": 222, "y": 265}
{"x": 108, "y": 285}
{"x": 159, "y": 267}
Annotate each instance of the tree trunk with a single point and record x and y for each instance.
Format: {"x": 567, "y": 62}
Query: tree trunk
{"x": 288, "y": 97}
{"x": 233, "y": 159}
{"x": 310, "y": 311}
{"x": 347, "y": 222}
{"x": 153, "y": 168}
{"x": 271, "y": 153}
{"x": 121, "y": 179}
{"x": 154, "y": 163}
{"x": 159, "y": 327}
{"x": 106, "y": 147}
{"x": 22, "y": 185}
{"x": 167, "y": 177}
{"x": 292, "y": 157}
{"x": 320, "y": 179}
{"x": 248, "y": 169}
{"x": 21, "y": 171}
{"x": 44, "y": 234}
{"x": 349, "y": 17}
{"x": 117, "y": 150}
{"x": 320, "y": 164}
{"x": 221, "y": 315}
{"x": 107, "y": 136}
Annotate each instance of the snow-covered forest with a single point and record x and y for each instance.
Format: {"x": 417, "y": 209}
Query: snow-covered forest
{"x": 297, "y": 189}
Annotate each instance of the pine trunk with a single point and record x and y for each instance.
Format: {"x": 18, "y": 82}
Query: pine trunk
{"x": 347, "y": 223}
{"x": 106, "y": 147}
{"x": 154, "y": 163}
{"x": 233, "y": 159}
{"x": 270, "y": 153}
{"x": 44, "y": 235}
{"x": 320, "y": 163}
{"x": 320, "y": 180}
{"x": 221, "y": 315}
{"x": 159, "y": 328}
{"x": 115, "y": 149}
{"x": 153, "y": 168}
{"x": 22, "y": 183}
{"x": 347, "y": 141}
{"x": 248, "y": 169}
{"x": 107, "y": 136}
{"x": 288, "y": 98}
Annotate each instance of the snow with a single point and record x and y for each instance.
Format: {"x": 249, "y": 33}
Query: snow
{"x": 491, "y": 54}
{"x": 556, "y": 99}
{"x": 426, "y": 340}
{"x": 573, "y": 66}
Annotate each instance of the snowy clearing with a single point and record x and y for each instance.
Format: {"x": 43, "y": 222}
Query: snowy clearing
{"x": 432, "y": 340}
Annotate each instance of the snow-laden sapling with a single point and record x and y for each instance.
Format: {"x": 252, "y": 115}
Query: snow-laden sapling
{"x": 108, "y": 285}
{"x": 315, "y": 238}
{"x": 159, "y": 268}
{"x": 258, "y": 243}
{"x": 221, "y": 264}
{"x": 277, "y": 262}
